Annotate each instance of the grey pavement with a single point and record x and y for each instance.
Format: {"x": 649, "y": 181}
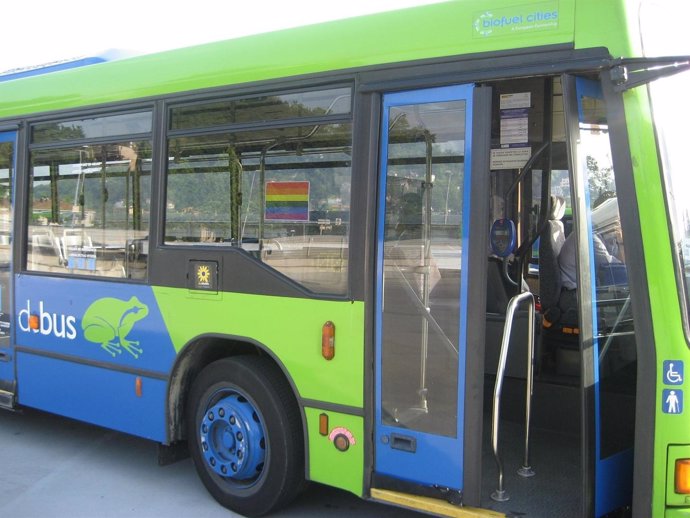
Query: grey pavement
{"x": 53, "y": 467}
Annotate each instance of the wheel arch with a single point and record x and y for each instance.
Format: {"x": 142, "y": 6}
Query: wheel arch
{"x": 202, "y": 351}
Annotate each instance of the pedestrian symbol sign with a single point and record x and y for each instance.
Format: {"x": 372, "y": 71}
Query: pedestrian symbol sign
{"x": 673, "y": 372}
{"x": 672, "y": 401}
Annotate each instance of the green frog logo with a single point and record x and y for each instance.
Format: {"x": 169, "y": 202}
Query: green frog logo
{"x": 108, "y": 322}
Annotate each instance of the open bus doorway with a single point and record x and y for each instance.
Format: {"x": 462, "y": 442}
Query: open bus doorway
{"x": 549, "y": 168}
{"x": 552, "y": 174}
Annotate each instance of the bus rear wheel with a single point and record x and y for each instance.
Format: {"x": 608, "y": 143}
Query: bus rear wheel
{"x": 244, "y": 435}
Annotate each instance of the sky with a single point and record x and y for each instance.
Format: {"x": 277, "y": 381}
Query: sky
{"x": 35, "y": 33}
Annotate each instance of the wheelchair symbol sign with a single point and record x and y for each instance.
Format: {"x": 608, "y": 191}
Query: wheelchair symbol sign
{"x": 673, "y": 372}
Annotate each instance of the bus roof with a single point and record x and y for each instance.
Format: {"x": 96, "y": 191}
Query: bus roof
{"x": 64, "y": 64}
{"x": 431, "y": 31}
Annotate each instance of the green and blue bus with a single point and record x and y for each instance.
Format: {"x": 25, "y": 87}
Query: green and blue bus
{"x": 436, "y": 257}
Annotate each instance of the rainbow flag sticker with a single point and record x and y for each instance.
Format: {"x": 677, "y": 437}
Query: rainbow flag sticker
{"x": 287, "y": 201}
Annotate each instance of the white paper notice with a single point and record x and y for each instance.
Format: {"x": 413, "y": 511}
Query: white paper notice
{"x": 514, "y": 130}
{"x": 520, "y": 100}
{"x": 510, "y": 158}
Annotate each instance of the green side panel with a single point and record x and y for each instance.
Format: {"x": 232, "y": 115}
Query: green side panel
{"x": 289, "y": 328}
{"x": 663, "y": 289}
{"x": 608, "y": 23}
{"x": 439, "y": 30}
{"x": 328, "y": 465}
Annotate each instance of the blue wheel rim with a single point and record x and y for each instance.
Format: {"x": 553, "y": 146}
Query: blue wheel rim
{"x": 233, "y": 441}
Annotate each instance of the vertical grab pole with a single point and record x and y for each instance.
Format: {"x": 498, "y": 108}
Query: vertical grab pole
{"x": 426, "y": 250}
{"x": 500, "y": 495}
{"x": 526, "y": 470}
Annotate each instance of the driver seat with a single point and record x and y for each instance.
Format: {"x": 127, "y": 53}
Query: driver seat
{"x": 551, "y": 241}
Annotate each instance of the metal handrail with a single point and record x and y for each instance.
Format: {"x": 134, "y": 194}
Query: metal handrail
{"x": 500, "y": 494}
{"x": 610, "y": 336}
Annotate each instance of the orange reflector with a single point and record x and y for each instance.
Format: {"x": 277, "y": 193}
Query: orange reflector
{"x": 323, "y": 424}
{"x": 137, "y": 386}
{"x": 683, "y": 476}
{"x": 33, "y": 322}
{"x": 328, "y": 340}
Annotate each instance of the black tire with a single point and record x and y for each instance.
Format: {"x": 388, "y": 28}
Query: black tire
{"x": 271, "y": 463}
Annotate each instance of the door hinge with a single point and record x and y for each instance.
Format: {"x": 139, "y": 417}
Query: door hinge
{"x": 628, "y": 73}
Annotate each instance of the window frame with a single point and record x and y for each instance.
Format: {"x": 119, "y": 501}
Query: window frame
{"x": 58, "y": 145}
{"x": 230, "y": 128}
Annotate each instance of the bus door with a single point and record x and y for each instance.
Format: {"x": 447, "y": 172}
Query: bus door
{"x": 422, "y": 285}
{"x": 608, "y": 347}
{"x": 7, "y": 159}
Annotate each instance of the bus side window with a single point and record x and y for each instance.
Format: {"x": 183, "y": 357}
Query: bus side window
{"x": 88, "y": 210}
{"x": 280, "y": 194}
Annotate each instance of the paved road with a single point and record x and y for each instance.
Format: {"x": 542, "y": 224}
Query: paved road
{"x": 58, "y": 468}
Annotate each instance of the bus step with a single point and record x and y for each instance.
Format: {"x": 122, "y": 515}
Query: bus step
{"x": 431, "y": 505}
{"x": 6, "y": 400}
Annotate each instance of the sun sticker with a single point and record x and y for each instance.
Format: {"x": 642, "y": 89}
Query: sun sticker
{"x": 203, "y": 275}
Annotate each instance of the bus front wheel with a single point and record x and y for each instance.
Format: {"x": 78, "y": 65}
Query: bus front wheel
{"x": 244, "y": 434}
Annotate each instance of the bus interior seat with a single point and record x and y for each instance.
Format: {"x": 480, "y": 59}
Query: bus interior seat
{"x": 499, "y": 293}
{"x": 45, "y": 244}
{"x": 136, "y": 258}
{"x": 73, "y": 242}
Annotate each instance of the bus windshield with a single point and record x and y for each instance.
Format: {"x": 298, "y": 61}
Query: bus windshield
{"x": 671, "y": 120}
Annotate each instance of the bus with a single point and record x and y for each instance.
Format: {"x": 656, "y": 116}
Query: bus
{"x": 435, "y": 257}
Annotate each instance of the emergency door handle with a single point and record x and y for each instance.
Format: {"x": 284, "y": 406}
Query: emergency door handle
{"x": 403, "y": 442}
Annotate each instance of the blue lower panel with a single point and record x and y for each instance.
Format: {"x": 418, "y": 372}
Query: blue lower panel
{"x": 614, "y": 482}
{"x": 93, "y": 394}
{"x": 436, "y": 460}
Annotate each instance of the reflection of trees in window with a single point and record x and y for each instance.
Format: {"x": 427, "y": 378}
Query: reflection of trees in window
{"x": 426, "y": 153}
{"x": 600, "y": 179}
{"x": 215, "y": 185}
{"x": 56, "y": 131}
{"x": 89, "y": 202}
{"x": 220, "y": 179}
{"x": 136, "y": 123}
{"x": 104, "y": 185}
{"x": 5, "y": 155}
{"x": 295, "y": 105}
